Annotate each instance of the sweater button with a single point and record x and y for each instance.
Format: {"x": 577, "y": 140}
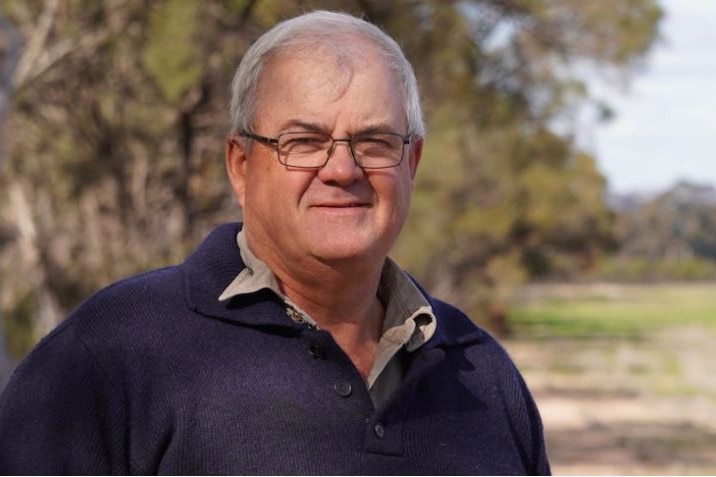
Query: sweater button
{"x": 343, "y": 388}
{"x": 379, "y": 430}
{"x": 316, "y": 351}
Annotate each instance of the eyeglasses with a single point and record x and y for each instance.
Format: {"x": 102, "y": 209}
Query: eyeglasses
{"x": 312, "y": 150}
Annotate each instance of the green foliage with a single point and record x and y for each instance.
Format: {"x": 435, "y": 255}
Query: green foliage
{"x": 171, "y": 55}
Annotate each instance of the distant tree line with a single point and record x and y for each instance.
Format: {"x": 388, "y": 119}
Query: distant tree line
{"x": 667, "y": 236}
{"x": 113, "y": 150}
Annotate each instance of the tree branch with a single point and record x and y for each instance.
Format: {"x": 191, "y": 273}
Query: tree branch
{"x": 36, "y": 43}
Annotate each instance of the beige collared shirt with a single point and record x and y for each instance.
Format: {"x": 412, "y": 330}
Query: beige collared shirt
{"x": 409, "y": 320}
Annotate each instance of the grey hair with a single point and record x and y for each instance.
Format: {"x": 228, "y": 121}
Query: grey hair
{"x": 320, "y": 28}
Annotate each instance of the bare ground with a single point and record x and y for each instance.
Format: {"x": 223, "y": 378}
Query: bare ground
{"x": 626, "y": 407}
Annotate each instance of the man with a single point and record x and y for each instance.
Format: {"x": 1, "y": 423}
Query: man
{"x": 291, "y": 344}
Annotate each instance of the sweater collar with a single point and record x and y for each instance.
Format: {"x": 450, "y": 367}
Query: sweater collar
{"x": 211, "y": 268}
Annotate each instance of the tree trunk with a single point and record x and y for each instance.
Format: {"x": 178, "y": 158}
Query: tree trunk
{"x": 14, "y": 43}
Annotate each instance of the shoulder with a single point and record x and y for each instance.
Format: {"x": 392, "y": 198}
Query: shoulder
{"x": 162, "y": 296}
{"x": 128, "y": 302}
{"x": 479, "y": 351}
{"x": 76, "y": 383}
{"x": 487, "y": 369}
{"x": 456, "y": 330}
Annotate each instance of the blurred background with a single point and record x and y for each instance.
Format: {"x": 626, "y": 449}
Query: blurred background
{"x": 566, "y": 198}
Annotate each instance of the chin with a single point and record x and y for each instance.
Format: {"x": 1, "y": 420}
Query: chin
{"x": 336, "y": 250}
{"x": 341, "y": 252}
{"x": 346, "y": 242}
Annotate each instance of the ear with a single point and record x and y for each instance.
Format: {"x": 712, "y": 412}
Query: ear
{"x": 414, "y": 156}
{"x": 236, "y": 166}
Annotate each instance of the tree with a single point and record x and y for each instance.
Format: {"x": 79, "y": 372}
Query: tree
{"x": 669, "y": 236}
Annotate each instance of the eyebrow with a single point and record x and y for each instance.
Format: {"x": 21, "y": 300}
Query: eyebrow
{"x": 302, "y": 124}
{"x": 322, "y": 128}
{"x": 378, "y": 128}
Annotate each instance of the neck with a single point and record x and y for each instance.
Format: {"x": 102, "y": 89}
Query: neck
{"x": 347, "y": 306}
{"x": 334, "y": 295}
{"x": 340, "y": 296}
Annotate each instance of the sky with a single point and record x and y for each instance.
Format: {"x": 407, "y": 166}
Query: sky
{"x": 665, "y": 125}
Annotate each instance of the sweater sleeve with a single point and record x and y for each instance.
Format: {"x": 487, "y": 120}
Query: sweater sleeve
{"x": 535, "y": 444}
{"x": 58, "y": 415}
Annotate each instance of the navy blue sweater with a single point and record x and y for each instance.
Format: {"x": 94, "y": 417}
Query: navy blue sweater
{"x": 155, "y": 375}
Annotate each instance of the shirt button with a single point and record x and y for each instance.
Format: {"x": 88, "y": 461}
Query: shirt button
{"x": 343, "y": 388}
{"x": 379, "y": 430}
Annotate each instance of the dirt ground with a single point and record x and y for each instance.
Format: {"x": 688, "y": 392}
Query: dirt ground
{"x": 627, "y": 407}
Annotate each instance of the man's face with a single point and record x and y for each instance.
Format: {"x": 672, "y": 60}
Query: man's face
{"x": 339, "y": 212}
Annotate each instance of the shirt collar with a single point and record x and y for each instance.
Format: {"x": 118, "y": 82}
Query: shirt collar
{"x": 254, "y": 277}
{"x": 409, "y": 319}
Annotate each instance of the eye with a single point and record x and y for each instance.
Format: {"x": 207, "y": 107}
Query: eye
{"x": 375, "y": 140}
{"x": 303, "y": 143}
{"x": 378, "y": 144}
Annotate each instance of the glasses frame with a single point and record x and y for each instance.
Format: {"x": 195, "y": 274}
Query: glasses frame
{"x": 274, "y": 141}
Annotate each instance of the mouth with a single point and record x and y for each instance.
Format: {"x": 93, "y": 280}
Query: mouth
{"x": 342, "y": 206}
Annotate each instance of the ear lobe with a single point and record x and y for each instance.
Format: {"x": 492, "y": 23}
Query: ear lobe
{"x": 236, "y": 167}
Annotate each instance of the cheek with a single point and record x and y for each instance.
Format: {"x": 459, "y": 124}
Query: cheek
{"x": 259, "y": 187}
{"x": 405, "y": 184}
{"x": 252, "y": 187}
{"x": 272, "y": 186}
{"x": 395, "y": 193}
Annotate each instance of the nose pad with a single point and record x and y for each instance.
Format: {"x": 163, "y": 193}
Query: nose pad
{"x": 332, "y": 149}
{"x": 338, "y": 169}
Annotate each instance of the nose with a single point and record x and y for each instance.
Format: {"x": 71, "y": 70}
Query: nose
{"x": 340, "y": 167}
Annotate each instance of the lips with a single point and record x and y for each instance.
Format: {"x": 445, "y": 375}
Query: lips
{"x": 342, "y": 206}
{"x": 344, "y": 203}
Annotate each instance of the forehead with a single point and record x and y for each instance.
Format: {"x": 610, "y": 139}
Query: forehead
{"x": 319, "y": 82}
{"x": 302, "y": 71}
